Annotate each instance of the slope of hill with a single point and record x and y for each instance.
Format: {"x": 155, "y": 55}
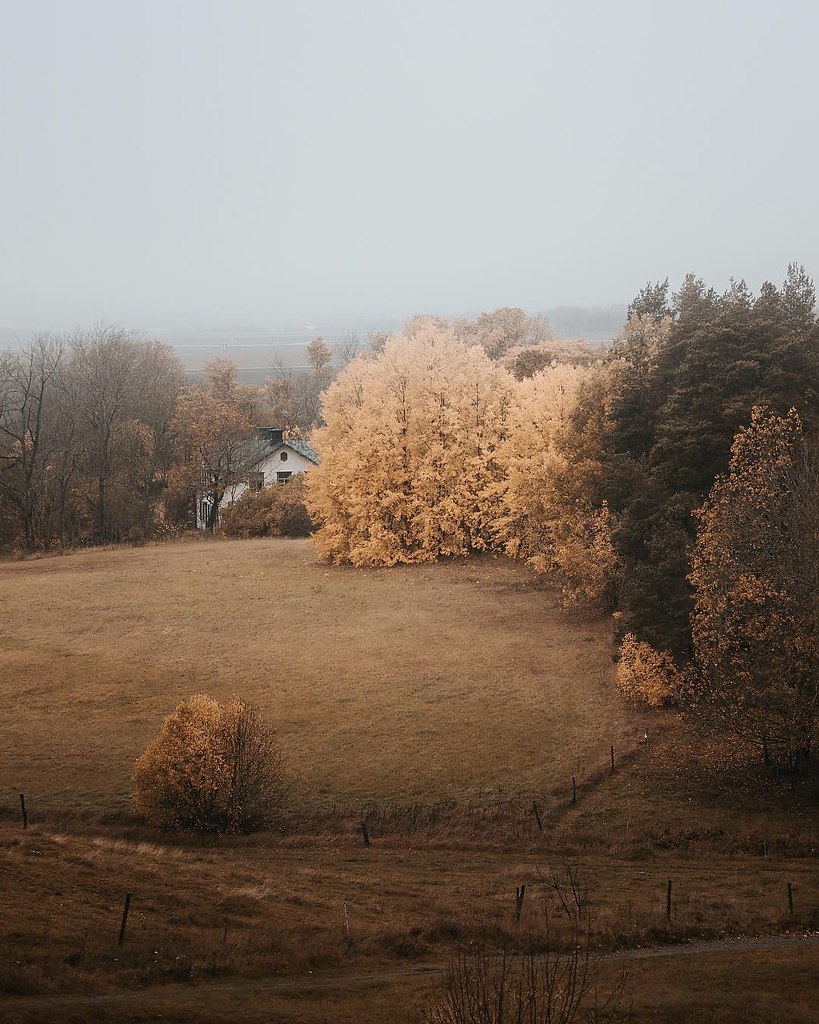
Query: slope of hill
{"x": 439, "y": 702}
{"x": 412, "y": 684}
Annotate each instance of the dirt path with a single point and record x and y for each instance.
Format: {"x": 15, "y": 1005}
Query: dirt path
{"x": 743, "y": 944}
{"x": 199, "y": 996}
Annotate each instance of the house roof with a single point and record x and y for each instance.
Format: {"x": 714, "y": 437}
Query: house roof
{"x": 261, "y": 450}
{"x": 297, "y": 445}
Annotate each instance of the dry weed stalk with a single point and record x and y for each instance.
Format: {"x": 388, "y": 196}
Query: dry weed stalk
{"x": 555, "y": 985}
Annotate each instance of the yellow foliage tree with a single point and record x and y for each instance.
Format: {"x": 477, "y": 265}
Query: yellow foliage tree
{"x": 409, "y": 454}
{"x": 646, "y": 675}
{"x": 549, "y": 516}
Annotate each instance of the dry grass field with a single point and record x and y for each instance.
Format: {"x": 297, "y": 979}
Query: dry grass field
{"x": 439, "y": 701}
{"x": 411, "y": 684}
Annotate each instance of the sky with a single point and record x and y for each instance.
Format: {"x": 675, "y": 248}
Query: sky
{"x": 189, "y": 163}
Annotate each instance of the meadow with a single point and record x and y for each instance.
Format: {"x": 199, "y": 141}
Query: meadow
{"x": 440, "y": 703}
{"x": 414, "y": 684}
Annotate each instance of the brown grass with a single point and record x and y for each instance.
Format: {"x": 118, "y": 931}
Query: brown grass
{"x": 437, "y": 700}
{"x": 274, "y": 910}
{"x": 410, "y": 684}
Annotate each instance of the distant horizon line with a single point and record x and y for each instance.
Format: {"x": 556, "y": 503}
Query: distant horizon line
{"x": 297, "y": 332}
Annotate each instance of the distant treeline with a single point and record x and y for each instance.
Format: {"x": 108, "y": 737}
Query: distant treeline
{"x": 104, "y": 439}
{"x": 592, "y": 323}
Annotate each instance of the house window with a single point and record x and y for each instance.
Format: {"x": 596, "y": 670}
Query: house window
{"x": 255, "y": 481}
{"x": 283, "y": 456}
{"x": 282, "y": 478}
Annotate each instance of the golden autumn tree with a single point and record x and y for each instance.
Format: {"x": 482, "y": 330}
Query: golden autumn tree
{"x": 550, "y": 515}
{"x": 756, "y": 580}
{"x": 212, "y": 768}
{"x": 646, "y": 676}
{"x": 409, "y": 454}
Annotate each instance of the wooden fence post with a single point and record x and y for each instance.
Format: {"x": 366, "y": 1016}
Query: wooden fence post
{"x": 668, "y": 901}
{"x": 574, "y": 790}
{"x": 520, "y": 892}
{"x": 538, "y": 819}
{"x": 612, "y": 760}
{"x": 23, "y": 808}
{"x": 790, "y": 898}
{"x": 365, "y": 832}
{"x": 124, "y": 918}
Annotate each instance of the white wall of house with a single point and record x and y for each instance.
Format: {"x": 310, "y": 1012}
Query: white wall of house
{"x": 271, "y": 467}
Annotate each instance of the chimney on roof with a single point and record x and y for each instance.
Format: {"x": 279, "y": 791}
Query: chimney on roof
{"x": 274, "y": 435}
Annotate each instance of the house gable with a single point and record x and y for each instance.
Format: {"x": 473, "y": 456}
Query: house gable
{"x": 283, "y": 460}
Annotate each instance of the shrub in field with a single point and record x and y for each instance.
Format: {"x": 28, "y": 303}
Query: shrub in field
{"x": 554, "y": 986}
{"x": 645, "y": 674}
{"x": 212, "y": 768}
{"x": 543, "y": 988}
{"x": 276, "y": 511}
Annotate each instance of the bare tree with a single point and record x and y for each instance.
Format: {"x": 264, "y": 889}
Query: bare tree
{"x": 294, "y": 400}
{"x": 67, "y": 457}
{"x": 104, "y": 365}
{"x": 556, "y": 986}
{"x": 158, "y": 382}
{"x": 218, "y": 425}
{"x": 122, "y": 393}
{"x": 348, "y": 348}
{"x": 27, "y": 381}
{"x": 285, "y": 394}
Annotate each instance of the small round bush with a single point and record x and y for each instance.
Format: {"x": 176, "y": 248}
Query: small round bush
{"x": 212, "y": 768}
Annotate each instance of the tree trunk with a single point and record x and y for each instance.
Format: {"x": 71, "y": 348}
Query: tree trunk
{"x": 28, "y": 522}
{"x": 99, "y": 511}
{"x": 213, "y": 515}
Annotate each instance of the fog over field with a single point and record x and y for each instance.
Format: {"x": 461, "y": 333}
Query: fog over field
{"x": 262, "y": 351}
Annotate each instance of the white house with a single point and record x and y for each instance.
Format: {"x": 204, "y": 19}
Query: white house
{"x": 275, "y": 462}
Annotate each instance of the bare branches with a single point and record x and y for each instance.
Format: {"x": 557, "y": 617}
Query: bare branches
{"x": 27, "y": 382}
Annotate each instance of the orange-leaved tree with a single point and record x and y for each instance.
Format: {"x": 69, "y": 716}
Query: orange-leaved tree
{"x": 217, "y": 425}
{"x": 551, "y": 515}
{"x": 409, "y": 454}
{"x": 756, "y": 580}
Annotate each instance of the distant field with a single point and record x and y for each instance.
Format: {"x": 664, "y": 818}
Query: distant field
{"x": 255, "y": 361}
{"x": 449, "y": 681}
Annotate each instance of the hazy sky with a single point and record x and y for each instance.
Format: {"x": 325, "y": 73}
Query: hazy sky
{"x": 191, "y": 162}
